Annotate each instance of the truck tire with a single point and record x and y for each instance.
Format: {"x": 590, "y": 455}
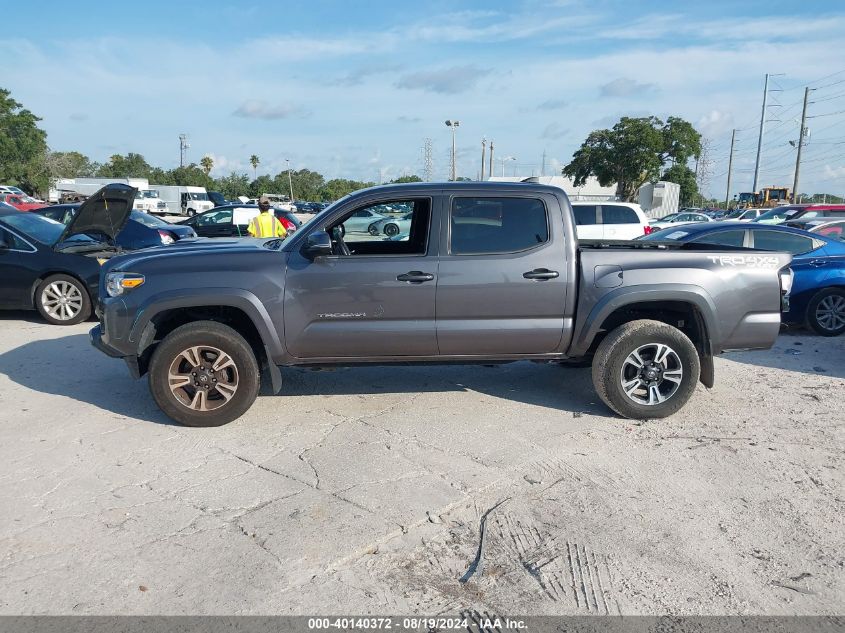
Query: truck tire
{"x": 204, "y": 374}
{"x": 62, "y": 300}
{"x": 826, "y": 312}
{"x": 645, "y": 369}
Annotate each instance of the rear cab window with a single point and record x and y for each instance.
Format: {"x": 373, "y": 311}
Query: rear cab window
{"x": 618, "y": 214}
{"x": 482, "y": 225}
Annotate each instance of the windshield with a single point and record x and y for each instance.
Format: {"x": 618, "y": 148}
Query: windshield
{"x": 194, "y": 195}
{"x": 150, "y": 193}
{"x": 147, "y": 220}
{"x": 36, "y": 227}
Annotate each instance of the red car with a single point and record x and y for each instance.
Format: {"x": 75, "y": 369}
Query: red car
{"x": 21, "y": 203}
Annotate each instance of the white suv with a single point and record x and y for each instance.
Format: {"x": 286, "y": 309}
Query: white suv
{"x": 610, "y": 220}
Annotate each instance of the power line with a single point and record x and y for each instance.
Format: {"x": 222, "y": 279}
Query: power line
{"x": 816, "y": 116}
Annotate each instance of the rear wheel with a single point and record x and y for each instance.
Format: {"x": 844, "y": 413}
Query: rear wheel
{"x": 646, "y": 369}
{"x": 373, "y": 230}
{"x": 204, "y": 374}
{"x": 391, "y": 230}
{"x": 826, "y": 312}
{"x": 63, "y": 300}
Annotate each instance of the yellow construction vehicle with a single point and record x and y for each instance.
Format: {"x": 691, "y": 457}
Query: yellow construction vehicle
{"x": 766, "y": 198}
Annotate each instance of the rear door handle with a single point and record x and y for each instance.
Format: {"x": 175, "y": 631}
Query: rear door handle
{"x": 415, "y": 277}
{"x": 541, "y": 273}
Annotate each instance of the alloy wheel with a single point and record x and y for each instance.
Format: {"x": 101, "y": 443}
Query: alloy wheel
{"x": 652, "y": 374}
{"x": 203, "y": 378}
{"x": 830, "y": 313}
{"x": 62, "y": 300}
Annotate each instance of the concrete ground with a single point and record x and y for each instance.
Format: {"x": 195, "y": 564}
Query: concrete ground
{"x": 422, "y": 490}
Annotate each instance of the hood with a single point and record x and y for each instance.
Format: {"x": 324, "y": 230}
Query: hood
{"x": 104, "y": 213}
{"x": 203, "y": 246}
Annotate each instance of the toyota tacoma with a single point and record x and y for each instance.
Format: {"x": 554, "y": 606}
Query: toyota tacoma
{"x": 486, "y": 273}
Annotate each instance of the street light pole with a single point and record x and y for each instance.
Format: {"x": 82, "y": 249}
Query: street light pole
{"x": 290, "y": 182}
{"x": 453, "y": 124}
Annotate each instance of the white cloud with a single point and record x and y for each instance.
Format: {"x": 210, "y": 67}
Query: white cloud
{"x": 834, "y": 173}
{"x": 257, "y": 109}
{"x": 444, "y": 80}
{"x": 715, "y": 123}
{"x": 624, "y": 87}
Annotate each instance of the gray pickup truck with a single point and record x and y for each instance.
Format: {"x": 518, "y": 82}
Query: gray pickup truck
{"x": 485, "y": 272}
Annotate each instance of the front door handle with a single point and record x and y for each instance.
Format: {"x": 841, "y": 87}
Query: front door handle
{"x": 818, "y": 263}
{"x": 541, "y": 273}
{"x": 415, "y": 277}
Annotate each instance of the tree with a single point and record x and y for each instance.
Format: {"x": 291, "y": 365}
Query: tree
{"x": 413, "y": 178}
{"x": 207, "y": 163}
{"x": 69, "y": 165}
{"x": 306, "y": 183}
{"x": 685, "y": 177}
{"x": 633, "y": 152}
{"x": 23, "y": 147}
{"x": 233, "y": 185}
{"x": 339, "y": 187}
{"x": 254, "y": 161}
{"x": 130, "y": 166}
{"x": 262, "y": 184}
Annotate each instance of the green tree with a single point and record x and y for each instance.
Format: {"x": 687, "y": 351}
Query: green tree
{"x": 207, "y": 163}
{"x": 189, "y": 176}
{"x": 233, "y": 185}
{"x": 633, "y": 152}
{"x": 263, "y": 184}
{"x": 339, "y": 187}
{"x": 254, "y": 161}
{"x": 69, "y": 165}
{"x": 402, "y": 179}
{"x": 306, "y": 183}
{"x": 685, "y": 177}
{"x": 23, "y": 147}
{"x": 130, "y": 166}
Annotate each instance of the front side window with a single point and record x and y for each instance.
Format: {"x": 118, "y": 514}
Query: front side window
{"x": 377, "y": 229}
{"x": 215, "y": 218}
{"x": 618, "y": 214}
{"x": 782, "y": 241}
{"x": 497, "y": 225}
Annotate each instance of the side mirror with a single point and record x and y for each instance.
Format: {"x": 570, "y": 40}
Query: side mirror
{"x": 317, "y": 244}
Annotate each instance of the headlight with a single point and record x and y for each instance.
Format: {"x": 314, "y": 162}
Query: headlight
{"x": 118, "y": 283}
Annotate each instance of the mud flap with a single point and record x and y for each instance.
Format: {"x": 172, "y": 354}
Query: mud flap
{"x": 271, "y": 377}
{"x": 708, "y": 371}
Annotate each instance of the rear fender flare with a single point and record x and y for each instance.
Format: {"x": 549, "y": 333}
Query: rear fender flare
{"x": 619, "y": 298}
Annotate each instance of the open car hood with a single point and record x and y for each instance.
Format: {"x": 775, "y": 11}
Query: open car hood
{"x": 104, "y": 213}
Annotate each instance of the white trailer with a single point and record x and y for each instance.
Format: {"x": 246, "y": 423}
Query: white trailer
{"x": 183, "y": 200}
{"x": 659, "y": 199}
{"x": 146, "y": 199}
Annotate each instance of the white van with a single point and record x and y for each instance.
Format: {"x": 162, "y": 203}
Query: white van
{"x": 184, "y": 200}
{"x": 609, "y": 220}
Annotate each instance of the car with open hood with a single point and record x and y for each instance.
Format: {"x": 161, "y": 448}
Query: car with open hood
{"x": 54, "y": 267}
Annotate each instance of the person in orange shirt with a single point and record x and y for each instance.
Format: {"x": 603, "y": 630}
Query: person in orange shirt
{"x": 266, "y": 224}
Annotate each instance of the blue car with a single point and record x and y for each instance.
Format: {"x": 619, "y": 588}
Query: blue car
{"x": 142, "y": 230}
{"x": 818, "y": 263}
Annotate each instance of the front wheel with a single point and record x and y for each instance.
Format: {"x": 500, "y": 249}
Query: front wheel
{"x": 646, "y": 369}
{"x": 204, "y": 374}
{"x": 63, "y": 300}
{"x": 826, "y": 312}
{"x": 391, "y": 230}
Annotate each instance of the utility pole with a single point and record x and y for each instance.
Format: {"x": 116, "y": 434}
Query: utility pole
{"x": 183, "y": 149}
{"x": 483, "y": 156}
{"x": 428, "y": 162}
{"x": 290, "y": 182}
{"x": 730, "y": 166}
{"x": 454, "y": 125}
{"x": 543, "y": 170}
{"x": 760, "y": 137}
{"x": 490, "y": 170}
{"x": 800, "y": 144}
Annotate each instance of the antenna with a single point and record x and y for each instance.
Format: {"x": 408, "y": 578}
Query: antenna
{"x": 183, "y": 149}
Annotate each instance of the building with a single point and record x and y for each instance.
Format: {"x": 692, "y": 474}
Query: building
{"x": 659, "y": 199}
{"x": 591, "y": 190}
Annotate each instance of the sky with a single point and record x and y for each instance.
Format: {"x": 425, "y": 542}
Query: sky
{"x": 352, "y": 90}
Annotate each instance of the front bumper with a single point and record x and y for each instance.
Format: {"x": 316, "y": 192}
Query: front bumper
{"x": 96, "y": 337}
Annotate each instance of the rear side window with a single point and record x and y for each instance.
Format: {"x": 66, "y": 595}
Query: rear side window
{"x": 13, "y": 241}
{"x": 617, "y": 214}
{"x": 497, "y": 225}
{"x": 585, "y": 214}
{"x": 782, "y": 241}
{"x": 722, "y": 238}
